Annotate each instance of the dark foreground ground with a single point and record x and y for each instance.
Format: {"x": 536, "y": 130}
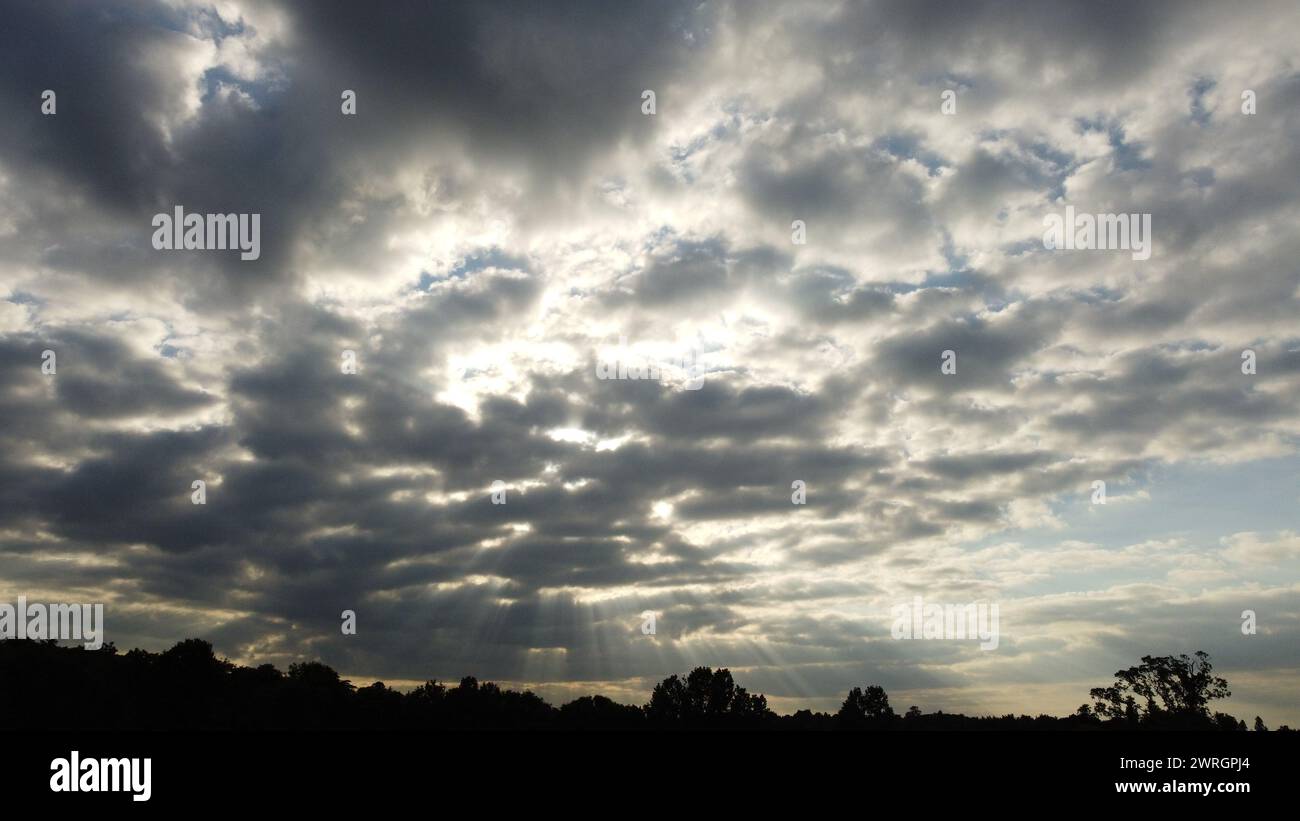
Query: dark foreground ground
{"x": 219, "y": 735}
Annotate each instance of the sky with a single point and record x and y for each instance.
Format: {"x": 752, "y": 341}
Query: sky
{"x": 823, "y": 199}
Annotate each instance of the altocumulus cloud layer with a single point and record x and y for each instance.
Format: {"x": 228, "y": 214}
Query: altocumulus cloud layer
{"x": 499, "y": 212}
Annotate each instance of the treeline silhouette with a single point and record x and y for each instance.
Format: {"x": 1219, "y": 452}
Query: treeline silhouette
{"x": 45, "y": 686}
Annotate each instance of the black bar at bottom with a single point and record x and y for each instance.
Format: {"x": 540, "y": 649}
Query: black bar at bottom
{"x": 672, "y": 770}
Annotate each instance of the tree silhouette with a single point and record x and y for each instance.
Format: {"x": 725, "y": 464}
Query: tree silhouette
{"x": 705, "y": 698}
{"x": 187, "y": 687}
{"x": 600, "y": 713}
{"x": 1163, "y": 691}
{"x": 869, "y": 708}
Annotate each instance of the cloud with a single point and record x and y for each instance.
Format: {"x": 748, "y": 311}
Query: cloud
{"x": 500, "y": 213}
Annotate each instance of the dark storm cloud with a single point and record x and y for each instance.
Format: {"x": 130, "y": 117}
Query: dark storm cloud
{"x": 105, "y": 142}
{"x": 965, "y": 467}
{"x": 986, "y": 180}
{"x": 137, "y": 491}
{"x": 693, "y": 272}
{"x": 101, "y": 377}
{"x": 987, "y": 351}
{"x": 830, "y": 295}
{"x": 100, "y": 139}
{"x": 1107, "y": 41}
{"x": 1151, "y": 391}
{"x": 834, "y": 189}
{"x": 514, "y": 78}
{"x": 534, "y": 89}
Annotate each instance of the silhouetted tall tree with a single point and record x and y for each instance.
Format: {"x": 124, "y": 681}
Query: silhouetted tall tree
{"x": 705, "y": 698}
{"x": 1163, "y": 691}
{"x": 869, "y": 708}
